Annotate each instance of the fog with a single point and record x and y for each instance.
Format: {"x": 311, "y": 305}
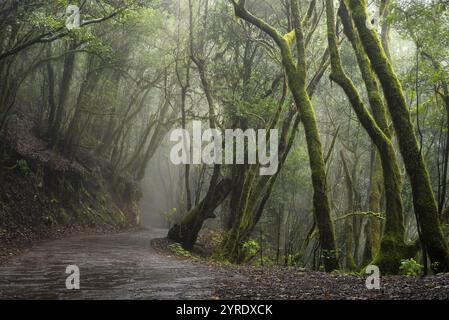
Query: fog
{"x": 160, "y": 189}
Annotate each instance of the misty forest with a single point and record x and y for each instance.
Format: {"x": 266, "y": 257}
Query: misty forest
{"x": 358, "y": 91}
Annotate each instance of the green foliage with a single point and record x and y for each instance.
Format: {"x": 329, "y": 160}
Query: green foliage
{"x": 211, "y": 240}
{"x": 41, "y": 20}
{"x": 250, "y": 247}
{"x": 217, "y": 251}
{"x": 266, "y": 261}
{"x": 410, "y": 267}
{"x": 177, "y": 249}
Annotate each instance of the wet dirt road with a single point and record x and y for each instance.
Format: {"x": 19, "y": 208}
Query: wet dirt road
{"x": 118, "y": 266}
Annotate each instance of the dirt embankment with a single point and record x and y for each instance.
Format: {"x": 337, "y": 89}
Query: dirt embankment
{"x": 45, "y": 195}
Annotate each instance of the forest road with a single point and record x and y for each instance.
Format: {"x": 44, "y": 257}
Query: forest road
{"x": 113, "y": 266}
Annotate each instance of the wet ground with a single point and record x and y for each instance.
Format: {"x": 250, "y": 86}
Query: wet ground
{"x": 126, "y": 266}
{"x": 118, "y": 266}
{"x": 293, "y": 284}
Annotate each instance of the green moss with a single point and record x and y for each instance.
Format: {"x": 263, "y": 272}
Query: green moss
{"x": 296, "y": 76}
{"x": 187, "y": 229}
{"x": 424, "y": 201}
{"x": 394, "y": 226}
{"x": 391, "y": 253}
{"x": 177, "y": 249}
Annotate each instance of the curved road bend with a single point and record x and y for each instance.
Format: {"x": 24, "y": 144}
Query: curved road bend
{"x": 117, "y": 266}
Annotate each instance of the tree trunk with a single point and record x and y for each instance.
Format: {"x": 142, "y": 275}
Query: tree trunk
{"x": 393, "y": 247}
{"x": 423, "y": 198}
{"x": 186, "y": 231}
{"x": 296, "y": 76}
{"x": 374, "y": 225}
{"x": 349, "y": 255}
{"x": 69, "y": 66}
{"x": 73, "y": 132}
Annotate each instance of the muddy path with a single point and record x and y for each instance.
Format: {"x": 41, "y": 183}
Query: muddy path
{"x": 118, "y": 266}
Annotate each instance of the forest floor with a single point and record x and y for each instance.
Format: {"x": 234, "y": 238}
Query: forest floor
{"x": 290, "y": 283}
{"x": 135, "y": 265}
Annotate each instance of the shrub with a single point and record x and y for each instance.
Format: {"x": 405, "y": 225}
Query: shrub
{"x": 410, "y": 267}
{"x": 251, "y": 247}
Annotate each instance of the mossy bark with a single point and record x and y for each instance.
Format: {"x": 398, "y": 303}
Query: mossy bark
{"x": 297, "y": 81}
{"x": 245, "y": 220}
{"x": 296, "y": 77}
{"x": 253, "y": 198}
{"x": 317, "y": 166}
{"x": 394, "y": 227}
{"x": 186, "y": 231}
{"x": 254, "y": 195}
{"x": 423, "y": 198}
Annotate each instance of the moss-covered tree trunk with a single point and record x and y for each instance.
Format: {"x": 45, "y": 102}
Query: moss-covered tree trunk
{"x": 186, "y": 231}
{"x": 320, "y": 197}
{"x": 296, "y": 76}
{"x": 297, "y": 80}
{"x": 423, "y": 198}
{"x": 244, "y": 222}
{"x": 259, "y": 189}
{"x": 253, "y": 198}
{"x": 255, "y": 193}
{"x": 393, "y": 247}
